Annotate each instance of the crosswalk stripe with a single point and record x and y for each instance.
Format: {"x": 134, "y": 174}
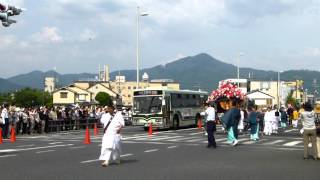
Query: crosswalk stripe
{"x": 163, "y": 138}
{"x": 191, "y": 134}
{"x": 179, "y": 139}
{"x": 221, "y": 139}
{"x": 195, "y": 140}
{"x": 290, "y": 130}
{"x": 293, "y": 143}
{"x": 274, "y": 142}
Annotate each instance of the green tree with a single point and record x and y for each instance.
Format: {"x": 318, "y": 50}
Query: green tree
{"x": 31, "y": 97}
{"x": 104, "y": 99}
{"x": 291, "y": 100}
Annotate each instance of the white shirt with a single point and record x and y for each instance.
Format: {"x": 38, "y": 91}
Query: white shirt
{"x": 210, "y": 113}
{"x": 4, "y": 115}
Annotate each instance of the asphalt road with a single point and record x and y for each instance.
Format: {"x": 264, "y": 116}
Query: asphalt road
{"x": 170, "y": 154}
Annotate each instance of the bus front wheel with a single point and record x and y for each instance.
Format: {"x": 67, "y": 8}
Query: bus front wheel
{"x": 175, "y": 123}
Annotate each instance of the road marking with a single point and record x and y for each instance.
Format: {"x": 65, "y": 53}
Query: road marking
{"x": 7, "y": 150}
{"x": 292, "y": 143}
{"x": 151, "y": 150}
{"x": 144, "y": 142}
{"x": 274, "y": 142}
{"x": 40, "y": 152}
{"x": 95, "y": 160}
{"x": 45, "y": 147}
{"x": 221, "y": 139}
{"x": 77, "y": 147}
{"x": 89, "y": 161}
{"x": 244, "y": 139}
{"x": 28, "y": 145}
{"x": 180, "y": 139}
{"x": 171, "y": 147}
{"x": 163, "y": 138}
{"x": 55, "y": 143}
{"x": 126, "y": 155}
{"x": 10, "y": 155}
{"x": 249, "y": 142}
{"x": 290, "y": 130}
{"x": 195, "y": 140}
{"x": 32, "y": 137}
{"x": 191, "y": 134}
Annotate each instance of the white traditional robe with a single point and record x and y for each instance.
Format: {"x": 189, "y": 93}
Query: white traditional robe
{"x": 241, "y": 125}
{"x": 268, "y": 118}
{"x": 275, "y": 121}
{"x": 111, "y": 140}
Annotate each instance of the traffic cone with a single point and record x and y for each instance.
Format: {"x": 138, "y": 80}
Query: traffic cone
{"x": 199, "y": 123}
{"x": 87, "y": 137}
{"x": 150, "y": 129}
{"x": 95, "y": 130}
{"x": 13, "y": 135}
{"x": 1, "y": 141}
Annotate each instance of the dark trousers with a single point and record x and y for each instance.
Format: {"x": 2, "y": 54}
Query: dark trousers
{"x": 211, "y": 127}
{"x": 5, "y": 128}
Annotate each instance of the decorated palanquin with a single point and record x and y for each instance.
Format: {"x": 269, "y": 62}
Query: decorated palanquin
{"x": 224, "y": 95}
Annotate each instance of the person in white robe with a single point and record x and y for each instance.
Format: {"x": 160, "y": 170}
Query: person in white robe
{"x": 241, "y": 125}
{"x": 268, "y": 118}
{"x": 275, "y": 120}
{"x": 111, "y": 140}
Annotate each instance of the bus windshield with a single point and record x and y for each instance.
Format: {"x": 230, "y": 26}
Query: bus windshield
{"x": 147, "y": 104}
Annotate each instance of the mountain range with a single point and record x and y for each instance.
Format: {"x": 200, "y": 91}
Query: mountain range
{"x": 193, "y": 72}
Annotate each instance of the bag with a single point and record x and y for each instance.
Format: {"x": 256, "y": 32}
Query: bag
{"x": 105, "y": 129}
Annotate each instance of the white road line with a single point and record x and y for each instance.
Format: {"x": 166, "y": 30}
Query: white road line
{"x": 292, "y": 143}
{"x": 89, "y": 161}
{"x": 32, "y": 137}
{"x": 10, "y": 155}
{"x": 55, "y": 143}
{"x": 244, "y": 139}
{"x": 126, "y": 155}
{"x": 40, "y": 152}
{"x": 171, "y": 147}
{"x": 249, "y": 142}
{"x": 144, "y": 142}
{"x": 221, "y": 139}
{"x": 28, "y": 145}
{"x": 274, "y": 142}
{"x": 164, "y": 138}
{"x": 191, "y": 134}
{"x": 180, "y": 139}
{"x": 133, "y": 137}
{"x": 290, "y": 130}
{"x": 95, "y": 160}
{"x": 195, "y": 140}
{"x": 151, "y": 150}
{"x": 7, "y": 150}
{"x": 77, "y": 147}
{"x": 45, "y": 147}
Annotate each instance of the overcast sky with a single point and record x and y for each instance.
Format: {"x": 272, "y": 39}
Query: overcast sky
{"x": 77, "y": 35}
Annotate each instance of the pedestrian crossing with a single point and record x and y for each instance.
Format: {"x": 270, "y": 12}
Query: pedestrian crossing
{"x": 185, "y": 136}
{"x": 199, "y": 138}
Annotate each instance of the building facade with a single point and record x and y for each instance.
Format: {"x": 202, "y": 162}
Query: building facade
{"x": 49, "y": 84}
{"x": 119, "y": 89}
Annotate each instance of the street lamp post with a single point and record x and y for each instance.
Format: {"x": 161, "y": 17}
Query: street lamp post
{"x": 238, "y": 69}
{"x": 138, "y": 40}
{"x": 279, "y": 89}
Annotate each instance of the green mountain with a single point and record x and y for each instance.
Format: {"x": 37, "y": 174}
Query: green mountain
{"x": 6, "y": 86}
{"x": 192, "y": 72}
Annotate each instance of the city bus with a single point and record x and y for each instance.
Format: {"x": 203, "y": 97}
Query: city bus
{"x": 165, "y": 108}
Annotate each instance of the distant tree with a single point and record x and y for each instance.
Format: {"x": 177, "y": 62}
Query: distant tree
{"x": 291, "y": 100}
{"x": 104, "y": 99}
{"x": 31, "y": 97}
{"x": 6, "y": 98}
